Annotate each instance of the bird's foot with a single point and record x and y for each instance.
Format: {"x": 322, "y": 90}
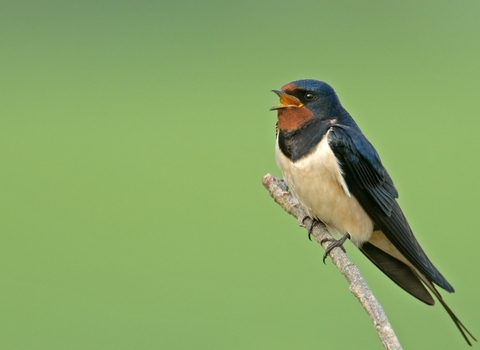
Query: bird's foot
{"x": 309, "y": 227}
{"x": 334, "y": 244}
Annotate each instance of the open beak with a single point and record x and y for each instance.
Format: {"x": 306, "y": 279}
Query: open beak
{"x": 286, "y": 101}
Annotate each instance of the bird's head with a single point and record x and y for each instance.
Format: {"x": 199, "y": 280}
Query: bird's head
{"x": 303, "y": 100}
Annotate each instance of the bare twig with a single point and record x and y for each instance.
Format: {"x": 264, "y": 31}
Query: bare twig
{"x": 278, "y": 190}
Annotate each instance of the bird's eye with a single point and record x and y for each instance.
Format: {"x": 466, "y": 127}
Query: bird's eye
{"x": 309, "y": 96}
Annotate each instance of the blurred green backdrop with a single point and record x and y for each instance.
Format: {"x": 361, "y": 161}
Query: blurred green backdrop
{"x": 134, "y": 136}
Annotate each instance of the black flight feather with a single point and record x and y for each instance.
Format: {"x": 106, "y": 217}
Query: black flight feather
{"x": 371, "y": 185}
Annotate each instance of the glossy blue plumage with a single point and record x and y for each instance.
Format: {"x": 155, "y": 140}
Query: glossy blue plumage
{"x": 386, "y": 237}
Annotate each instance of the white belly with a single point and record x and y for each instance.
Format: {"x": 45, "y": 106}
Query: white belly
{"x": 316, "y": 181}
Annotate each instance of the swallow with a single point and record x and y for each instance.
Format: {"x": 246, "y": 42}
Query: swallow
{"x": 338, "y": 178}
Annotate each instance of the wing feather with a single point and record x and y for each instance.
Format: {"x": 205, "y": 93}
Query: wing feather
{"x": 371, "y": 185}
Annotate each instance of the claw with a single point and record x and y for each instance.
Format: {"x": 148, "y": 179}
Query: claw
{"x": 310, "y": 227}
{"x": 334, "y": 244}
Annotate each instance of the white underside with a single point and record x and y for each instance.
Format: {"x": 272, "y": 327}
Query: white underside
{"x": 316, "y": 181}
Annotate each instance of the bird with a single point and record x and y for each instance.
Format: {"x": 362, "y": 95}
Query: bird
{"x": 337, "y": 176}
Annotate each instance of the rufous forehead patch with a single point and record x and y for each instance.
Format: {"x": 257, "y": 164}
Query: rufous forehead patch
{"x": 288, "y": 88}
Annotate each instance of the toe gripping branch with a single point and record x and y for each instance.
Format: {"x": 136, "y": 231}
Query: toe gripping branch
{"x": 310, "y": 227}
{"x": 334, "y": 244}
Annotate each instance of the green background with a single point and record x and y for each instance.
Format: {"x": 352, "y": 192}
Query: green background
{"x": 134, "y": 136}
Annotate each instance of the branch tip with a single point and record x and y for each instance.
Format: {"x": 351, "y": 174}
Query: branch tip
{"x": 278, "y": 190}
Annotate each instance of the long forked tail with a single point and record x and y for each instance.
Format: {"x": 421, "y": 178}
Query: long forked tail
{"x": 454, "y": 318}
{"x": 410, "y": 279}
